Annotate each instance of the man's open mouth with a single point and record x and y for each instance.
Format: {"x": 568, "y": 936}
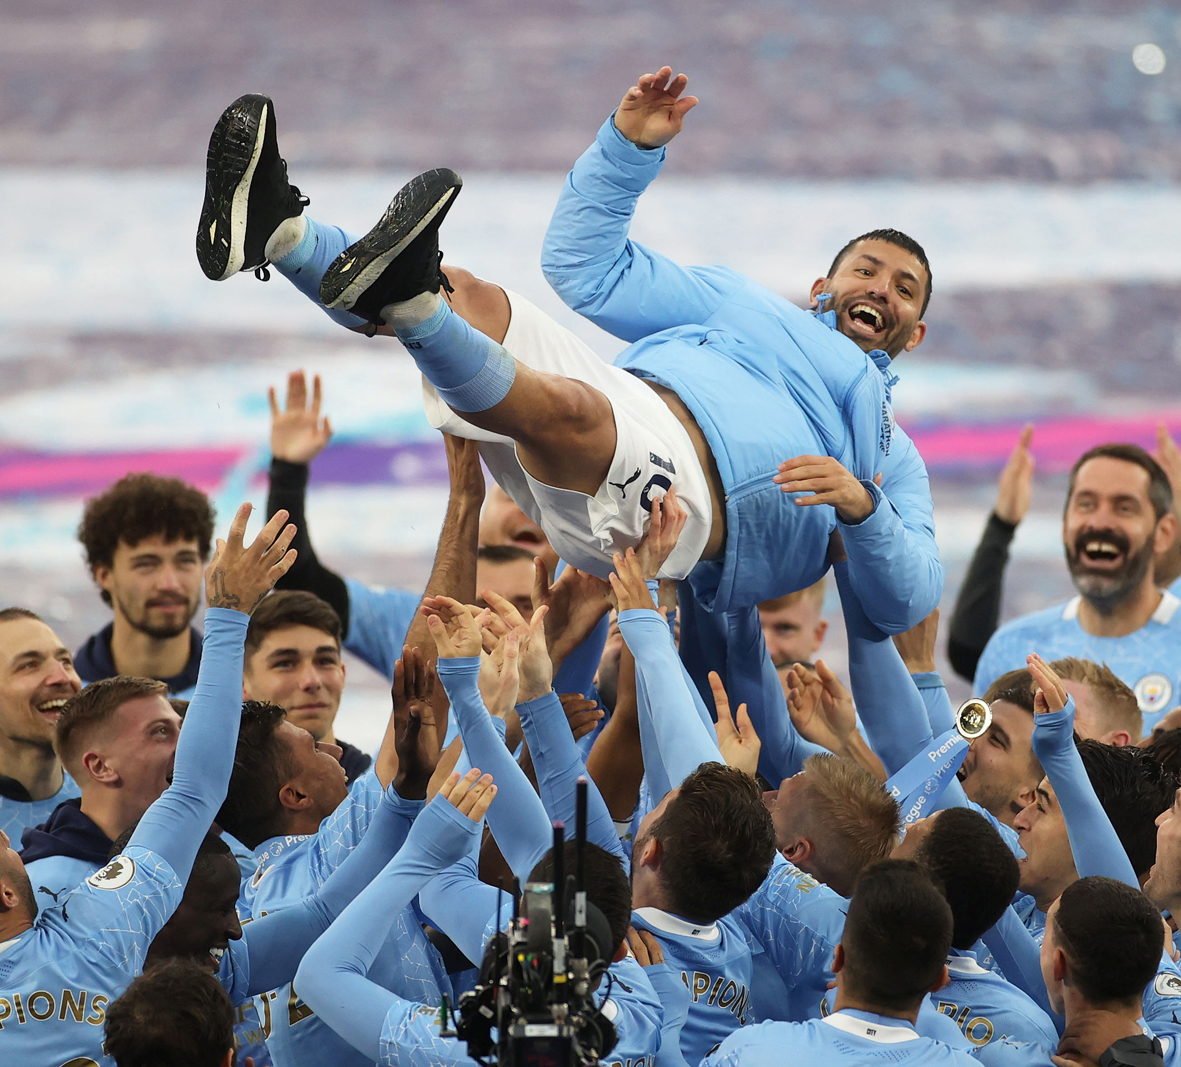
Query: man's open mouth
{"x": 215, "y": 954}
{"x": 52, "y": 708}
{"x": 866, "y": 319}
{"x": 1101, "y": 553}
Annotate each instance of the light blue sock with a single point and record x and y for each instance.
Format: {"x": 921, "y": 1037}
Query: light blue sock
{"x": 470, "y": 370}
{"x": 305, "y": 264}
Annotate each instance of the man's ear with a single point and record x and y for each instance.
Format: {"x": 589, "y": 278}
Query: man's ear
{"x": 650, "y": 854}
{"x": 838, "y": 959}
{"x": 99, "y": 769}
{"x": 818, "y": 634}
{"x": 292, "y": 799}
{"x": 102, "y": 576}
{"x": 820, "y": 285}
{"x": 1117, "y": 738}
{"x": 798, "y": 852}
{"x": 1060, "y": 968}
{"x": 620, "y": 952}
{"x": 943, "y": 982}
{"x": 1166, "y": 532}
{"x": 916, "y": 336}
{"x": 9, "y": 897}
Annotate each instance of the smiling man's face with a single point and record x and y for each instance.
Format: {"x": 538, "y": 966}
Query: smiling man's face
{"x": 877, "y": 290}
{"x": 300, "y": 669}
{"x": 37, "y": 677}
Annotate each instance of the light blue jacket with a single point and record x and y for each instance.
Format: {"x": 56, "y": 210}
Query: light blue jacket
{"x": 766, "y": 381}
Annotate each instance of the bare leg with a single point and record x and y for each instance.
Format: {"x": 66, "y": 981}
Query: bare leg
{"x": 564, "y": 429}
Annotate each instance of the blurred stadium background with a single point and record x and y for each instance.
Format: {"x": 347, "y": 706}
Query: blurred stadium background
{"x": 1020, "y": 141}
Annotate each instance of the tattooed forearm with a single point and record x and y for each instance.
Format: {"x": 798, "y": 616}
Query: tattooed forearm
{"x": 219, "y": 596}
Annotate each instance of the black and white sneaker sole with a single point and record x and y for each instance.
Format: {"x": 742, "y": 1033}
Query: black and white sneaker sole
{"x": 417, "y": 204}
{"x": 234, "y": 149}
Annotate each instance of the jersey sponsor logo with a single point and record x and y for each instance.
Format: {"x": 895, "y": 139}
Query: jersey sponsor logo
{"x": 115, "y": 875}
{"x": 886, "y": 434}
{"x": 622, "y": 486}
{"x": 1167, "y": 985}
{"x": 42, "y": 1006}
{"x": 664, "y": 464}
{"x": 1153, "y": 691}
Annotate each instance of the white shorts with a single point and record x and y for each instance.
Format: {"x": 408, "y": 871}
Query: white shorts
{"x": 653, "y": 451}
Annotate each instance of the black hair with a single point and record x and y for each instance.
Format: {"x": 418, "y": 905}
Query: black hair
{"x": 291, "y": 607}
{"x": 894, "y": 237}
{"x": 1165, "y": 748}
{"x": 897, "y": 934}
{"x": 1134, "y": 789}
{"x": 252, "y": 811}
{"x": 1160, "y": 491}
{"x": 1112, "y": 935}
{"x": 607, "y": 886}
{"x": 978, "y": 872}
{"x": 717, "y": 843}
{"x": 175, "y": 1013}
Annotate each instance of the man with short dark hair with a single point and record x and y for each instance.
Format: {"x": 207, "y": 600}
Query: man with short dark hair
{"x": 37, "y": 678}
{"x": 1102, "y": 947}
{"x": 1118, "y": 515}
{"x": 891, "y": 956}
{"x": 583, "y": 447}
{"x": 118, "y": 739}
{"x": 147, "y": 540}
{"x": 175, "y": 1013}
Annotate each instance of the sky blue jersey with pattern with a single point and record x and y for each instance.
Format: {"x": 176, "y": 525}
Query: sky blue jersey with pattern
{"x": 1147, "y": 660}
{"x": 16, "y": 816}
{"x": 846, "y": 1036}
{"x": 292, "y": 868}
{"x": 58, "y": 977}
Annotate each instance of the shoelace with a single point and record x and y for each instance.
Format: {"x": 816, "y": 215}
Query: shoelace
{"x": 444, "y": 284}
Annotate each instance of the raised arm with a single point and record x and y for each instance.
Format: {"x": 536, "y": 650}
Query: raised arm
{"x": 332, "y": 977}
{"x": 1095, "y": 845}
{"x": 618, "y": 284}
{"x": 236, "y": 580}
{"x": 978, "y": 603}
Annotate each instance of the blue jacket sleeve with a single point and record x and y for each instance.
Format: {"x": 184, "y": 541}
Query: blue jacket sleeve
{"x": 276, "y": 942}
{"x": 331, "y": 978}
{"x": 618, "y": 284}
{"x": 675, "y": 742}
{"x": 558, "y": 762}
{"x": 893, "y": 557}
{"x": 174, "y": 826}
{"x": 895, "y": 717}
{"x": 1093, "y": 841}
{"x": 518, "y": 820}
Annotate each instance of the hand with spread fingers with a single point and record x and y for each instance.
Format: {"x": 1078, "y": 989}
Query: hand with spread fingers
{"x": 454, "y": 626}
{"x": 1051, "y": 694}
{"x": 537, "y": 672}
{"x": 574, "y": 603}
{"x": 653, "y": 110}
{"x": 829, "y": 483}
{"x": 1014, "y": 487}
{"x": 471, "y": 795}
{"x": 239, "y": 576}
{"x": 737, "y": 739}
{"x": 298, "y": 434}
{"x": 664, "y": 530}
{"x": 418, "y": 727}
{"x": 500, "y": 676}
{"x": 628, "y": 584}
{"x": 821, "y": 708}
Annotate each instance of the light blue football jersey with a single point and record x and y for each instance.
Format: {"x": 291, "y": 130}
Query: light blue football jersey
{"x": 1146, "y": 660}
{"x": 16, "y": 816}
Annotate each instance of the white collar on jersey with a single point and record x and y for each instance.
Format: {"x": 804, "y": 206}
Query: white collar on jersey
{"x": 672, "y": 924}
{"x": 1163, "y": 615}
{"x": 870, "y": 1030}
{"x": 6, "y": 945}
{"x": 965, "y": 965}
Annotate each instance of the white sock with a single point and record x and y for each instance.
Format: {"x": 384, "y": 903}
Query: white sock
{"x": 412, "y": 312}
{"x": 287, "y": 235}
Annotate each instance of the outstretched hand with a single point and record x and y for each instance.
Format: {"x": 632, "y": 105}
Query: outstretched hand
{"x": 653, "y": 110}
{"x": 453, "y": 625}
{"x": 1014, "y": 487}
{"x": 1051, "y": 694}
{"x": 821, "y": 708}
{"x": 239, "y": 575}
{"x": 500, "y": 676}
{"x": 737, "y": 740}
{"x": 536, "y": 670}
{"x": 298, "y": 434}
{"x": 471, "y": 795}
{"x": 418, "y": 727}
{"x": 628, "y": 584}
{"x": 574, "y": 605}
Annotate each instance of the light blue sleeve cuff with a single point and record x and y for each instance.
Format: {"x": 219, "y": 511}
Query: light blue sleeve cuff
{"x": 619, "y": 149}
{"x": 876, "y": 496}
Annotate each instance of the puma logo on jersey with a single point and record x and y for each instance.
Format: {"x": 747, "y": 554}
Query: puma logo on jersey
{"x": 622, "y": 486}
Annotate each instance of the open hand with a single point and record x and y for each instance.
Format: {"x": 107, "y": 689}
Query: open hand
{"x": 664, "y": 529}
{"x": 298, "y": 434}
{"x": 239, "y": 576}
{"x": 646, "y": 949}
{"x": 500, "y": 676}
{"x": 821, "y": 708}
{"x": 453, "y": 625}
{"x": 472, "y": 795}
{"x": 653, "y": 110}
{"x": 828, "y": 482}
{"x": 1014, "y": 488}
{"x": 537, "y": 673}
{"x": 737, "y": 740}
{"x": 627, "y": 583}
{"x": 418, "y": 727}
{"x": 575, "y": 603}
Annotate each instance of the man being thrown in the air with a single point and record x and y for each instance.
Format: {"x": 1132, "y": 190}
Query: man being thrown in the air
{"x": 752, "y": 409}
